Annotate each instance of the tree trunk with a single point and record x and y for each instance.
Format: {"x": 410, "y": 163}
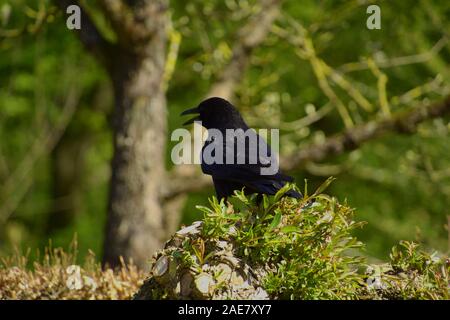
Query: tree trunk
{"x": 135, "y": 215}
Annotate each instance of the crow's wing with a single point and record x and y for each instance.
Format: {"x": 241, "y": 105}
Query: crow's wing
{"x": 246, "y": 173}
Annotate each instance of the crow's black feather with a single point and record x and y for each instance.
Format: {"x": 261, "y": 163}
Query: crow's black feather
{"x": 219, "y": 114}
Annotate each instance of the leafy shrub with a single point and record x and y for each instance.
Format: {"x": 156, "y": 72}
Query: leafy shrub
{"x": 303, "y": 245}
{"x": 410, "y": 274}
{"x": 298, "y": 249}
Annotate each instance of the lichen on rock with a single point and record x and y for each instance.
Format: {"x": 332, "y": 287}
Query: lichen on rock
{"x": 179, "y": 274}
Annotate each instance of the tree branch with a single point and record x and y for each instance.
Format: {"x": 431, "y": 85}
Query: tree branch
{"x": 89, "y": 34}
{"x": 351, "y": 139}
{"x": 125, "y": 22}
{"x": 191, "y": 181}
{"x": 406, "y": 122}
{"x": 250, "y": 36}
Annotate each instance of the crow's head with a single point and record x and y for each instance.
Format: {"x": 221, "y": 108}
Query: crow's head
{"x": 216, "y": 113}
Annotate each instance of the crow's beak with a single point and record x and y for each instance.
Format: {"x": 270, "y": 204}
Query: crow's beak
{"x": 191, "y": 111}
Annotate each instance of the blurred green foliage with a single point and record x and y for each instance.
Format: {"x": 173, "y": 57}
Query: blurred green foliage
{"x": 400, "y": 185}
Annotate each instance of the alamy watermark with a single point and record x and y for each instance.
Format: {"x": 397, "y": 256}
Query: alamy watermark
{"x": 230, "y": 146}
{"x": 73, "y": 22}
{"x": 374, "y": 20}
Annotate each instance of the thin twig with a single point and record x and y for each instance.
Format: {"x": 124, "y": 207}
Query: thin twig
{"x": 396, "y": 61}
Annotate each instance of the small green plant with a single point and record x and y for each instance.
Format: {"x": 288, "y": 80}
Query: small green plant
{"x": 410, "y": 274}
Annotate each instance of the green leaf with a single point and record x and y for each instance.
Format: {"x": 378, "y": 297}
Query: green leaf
{"x": 305, "y": 190}
{"x": 324, "y": 186}
{"x": 204, "y": 209}
{"x": 276, "y": 220}
{"x": 289, "y": 229}
{"x": 233, "y": 217}
{"x": 265, "y": 202}
{"x": 280, "y": 193}
{"x": 239, "y": 194}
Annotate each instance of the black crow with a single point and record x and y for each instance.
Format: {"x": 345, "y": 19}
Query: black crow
{"x": 236, "y": 168}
